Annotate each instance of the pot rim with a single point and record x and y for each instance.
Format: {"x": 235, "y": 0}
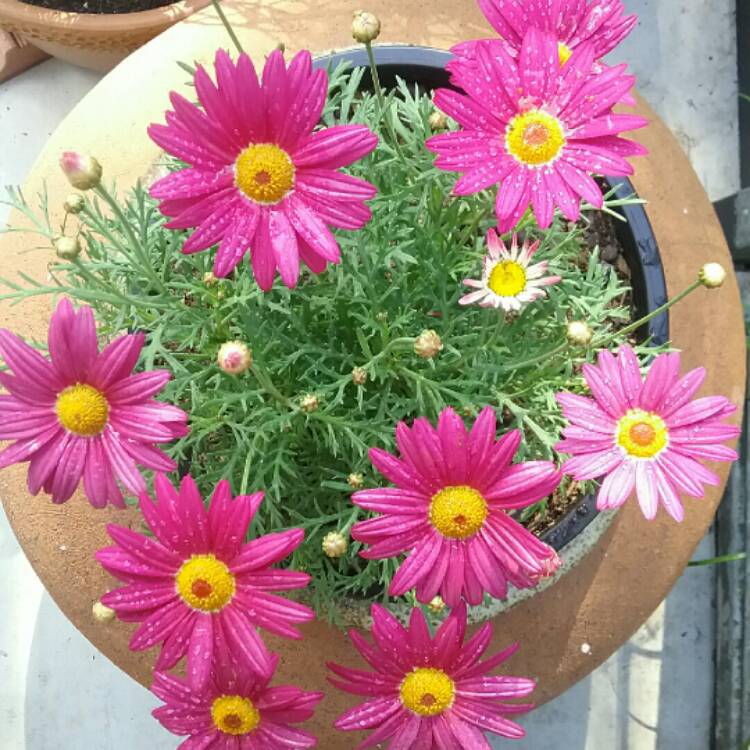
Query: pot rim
{"x": 109, "y": 24}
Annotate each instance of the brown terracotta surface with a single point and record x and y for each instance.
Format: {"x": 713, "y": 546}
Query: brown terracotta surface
{"x": 91, "y": 40}
{"x": 606, "y": 598}
{"x": 17, "y": 55}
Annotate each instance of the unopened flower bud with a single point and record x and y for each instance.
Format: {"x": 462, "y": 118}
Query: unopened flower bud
{"x": 578, "y": 333}
{"x": 309, "y": 403}
{"x": 428, "y": 344}
{"x": 355, "y": 480}
{"x": 74, "y": 204}
{"x": 209, "y": 279}
{"x": 438, "y": 120}
{"x": 436, "y": 605}
{"x": 382, "y": 317}
{"x": 359, "y": 376}
{"x": 334, "y": 544}
{"x": 712, "y": 275}
{"x": 102, "y": 613}
{"x": 234, "y": 357}
{"x": 83, "y": 172}
{"x": 67, "y": 248}
{"x": 365, "y": 26}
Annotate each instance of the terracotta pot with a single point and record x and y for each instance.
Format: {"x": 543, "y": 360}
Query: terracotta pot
{"x": 91, "y": 40}
{"x": 567, "y": 630}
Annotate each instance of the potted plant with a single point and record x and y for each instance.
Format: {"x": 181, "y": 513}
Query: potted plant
{"x": 92, "y": 34}
{"x": 287, "y": 394}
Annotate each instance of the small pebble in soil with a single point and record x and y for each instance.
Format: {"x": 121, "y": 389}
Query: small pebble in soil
{"x": 609, "y": 253}
{"x": 585, "y": 648}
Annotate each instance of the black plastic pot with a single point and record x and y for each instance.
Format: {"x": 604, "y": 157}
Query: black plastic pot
{"x": 425, "y": 66}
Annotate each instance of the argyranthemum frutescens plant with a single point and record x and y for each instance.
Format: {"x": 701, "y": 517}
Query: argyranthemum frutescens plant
{"x": 295, "y": 386}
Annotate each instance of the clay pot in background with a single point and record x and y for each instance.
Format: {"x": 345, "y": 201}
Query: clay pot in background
{"x": 96, "y": 41}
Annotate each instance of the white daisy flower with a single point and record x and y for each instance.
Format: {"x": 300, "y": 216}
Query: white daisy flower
{"x": 509, "y": 280}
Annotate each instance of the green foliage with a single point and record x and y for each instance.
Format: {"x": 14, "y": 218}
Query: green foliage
{"x": 400, "y": 275}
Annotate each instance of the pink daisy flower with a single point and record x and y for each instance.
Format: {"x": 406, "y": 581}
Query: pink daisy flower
{"x": 82, "y": 413}
{"x": 509, "y": 280}
{"x": 602, "y": 23}
{"x": 645, "y": 434}
{"x": 238, "y": 710}
{"x": 449, "y": 511}
{"x": 536, "y": 129}
{"x": 430, "y": 692}
{"x": 197, "y": 588}
{"x": 259, "y": 179}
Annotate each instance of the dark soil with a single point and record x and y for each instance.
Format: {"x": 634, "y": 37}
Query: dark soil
{"x": 100, "y": 6}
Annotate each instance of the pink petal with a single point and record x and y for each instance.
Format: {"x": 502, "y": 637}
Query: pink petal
{"x": 646, "y": 488}
{"x": 262, "y": 255}
{"x": 266, "y": 550}
{"x": 200, "y": 652}
{"x": 237, "y": 240}
{"x": 335, "y": 147}
{"x": 116, "y": 361}
{"x": 415, "y": 567}
{"x": 283, "y": 242}
{"x": 311, "y": 228}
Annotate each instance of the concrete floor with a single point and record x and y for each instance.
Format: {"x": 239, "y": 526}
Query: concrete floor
{"x": 56, "y": 691}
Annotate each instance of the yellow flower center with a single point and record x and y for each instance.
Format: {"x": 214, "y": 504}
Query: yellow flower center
{"x": 82, "y": 410}
{"x": 507, "y": 279}
{"x": 205, "y": 583}
{"x": 264, "y": 172}
{"x": 642, "y": 434}
{"x": 534, "y": 137}
{"x": 427, "y": 691}
{"x": 565, "y": 52}
{"x": 458, "y": 512}
{"x": 233, "y": 714}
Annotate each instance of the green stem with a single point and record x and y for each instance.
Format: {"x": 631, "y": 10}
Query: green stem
{"x": 265, "y": 382}
{"x": 404, "y": 341}
{"x": 659, "y": 310}
{"x": 601, "y": 343}
{"x": 385, "y": 110}
{"x": 135, "y": 243}
{"x": 716, "y": 560}
{"x": 227, "y": 25}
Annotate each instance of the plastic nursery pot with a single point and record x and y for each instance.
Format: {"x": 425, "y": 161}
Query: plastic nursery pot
{"x": 573, "y": 534}
{"x": 91, "y": 40}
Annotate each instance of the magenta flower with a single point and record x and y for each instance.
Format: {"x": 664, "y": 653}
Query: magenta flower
{"x": 449, "y": 511}
{"x": 645, "y": 435}
{"x": 197, "y": 588}
{"x": 82, "y": 413}
{"x": 538, "y": 130}
{"x": 236, "y": 711}
{"x": 259, "y": 179}
{"x": 602, "y": 23}
{"x": 430, "y": 692}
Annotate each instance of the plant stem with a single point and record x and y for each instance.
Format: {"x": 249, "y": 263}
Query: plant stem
{"x": 659, "y": 310}
{"x": 137, "y": 247}
{"x": 601, "y": 343}
{"x": 385, "y": 110}
{"x": 716, "y": 560}
{"x": 265, "y": 382}
{"x": 227, "y": 25}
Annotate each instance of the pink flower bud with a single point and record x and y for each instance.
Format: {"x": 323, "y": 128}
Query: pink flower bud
{"x": 234, "y": 357}
{"x": 83, "y": 172}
